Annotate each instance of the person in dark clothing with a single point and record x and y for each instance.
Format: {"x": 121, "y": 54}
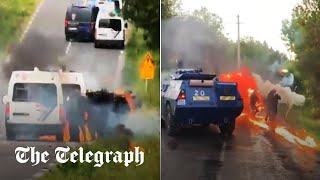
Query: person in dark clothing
{"x": 268, "y": 103}
{"x": 253, "y": 101}
{"x": 273, "y": 109}
{"x": 76, "y": 109}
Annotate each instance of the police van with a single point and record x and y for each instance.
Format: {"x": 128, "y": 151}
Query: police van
{"x": 109, "y": 30}
{"x": 34, "y": 104}
{"x": 191, "y": 97}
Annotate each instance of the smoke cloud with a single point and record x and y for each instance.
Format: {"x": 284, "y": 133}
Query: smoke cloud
{"x": 287, "y": 96}
{"x": 197, "y": 45}
{"x": 142, "y": 122}
{"x": 35, "y": 51}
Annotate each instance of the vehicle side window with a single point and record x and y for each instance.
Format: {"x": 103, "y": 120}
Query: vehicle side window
{"x": 45, "y": 94}
{"x": 20, "y": 93}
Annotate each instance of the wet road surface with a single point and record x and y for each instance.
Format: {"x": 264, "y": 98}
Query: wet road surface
{"x": 251, "y": 153}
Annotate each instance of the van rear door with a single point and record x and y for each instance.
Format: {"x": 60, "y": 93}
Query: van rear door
{"x": 200, "y": 92}
{"x": 110, "y": 29}
{"x": 227, "y": 93}
{"x": 80, "y": 19}
{"x": 34, "y": 103}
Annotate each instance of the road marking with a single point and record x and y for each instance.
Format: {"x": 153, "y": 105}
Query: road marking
{"x": 31, "y": 20}
{"x": 68, "y": 48}
{"x": 120, "y": 65}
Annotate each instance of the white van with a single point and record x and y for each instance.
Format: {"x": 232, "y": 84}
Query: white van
{"x": 109, "y": 30}
{"x": 34, "y": 104}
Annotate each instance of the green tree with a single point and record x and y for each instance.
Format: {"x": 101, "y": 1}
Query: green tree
{"x": 145, "y": 14}
{"x": 302, "y": 34}
{"x": 213, "y": 20}
{"x": 170, "y": 8}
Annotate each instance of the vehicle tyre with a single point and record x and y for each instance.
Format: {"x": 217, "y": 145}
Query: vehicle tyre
{"x": 68, "y": 38}
{"x": 227, "y": 129}
{"x": 10, "y": 134}
{"x": 96, "y": 44}
{"x": 122, "y": 45}
{"x": 171, "y": 126}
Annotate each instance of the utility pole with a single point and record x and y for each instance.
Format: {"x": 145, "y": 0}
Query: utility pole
{"x": 238, "y": 57}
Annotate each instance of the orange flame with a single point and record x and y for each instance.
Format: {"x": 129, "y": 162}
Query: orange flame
{"x": 133, "y": 145}
{"x": 81, "y": 135}
{"x": 246, "y": 85}
{"x": 66, "y": 132}
{"x": 293, "y": 137}
{"x": 87, "y": 133}
{"x": 47, "y": 138}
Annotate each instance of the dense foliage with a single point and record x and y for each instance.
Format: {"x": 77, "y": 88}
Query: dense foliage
{"x": 145, "y": 14}
{"x": 302, "y": 36}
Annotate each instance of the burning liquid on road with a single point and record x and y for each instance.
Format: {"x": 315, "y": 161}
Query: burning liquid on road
{"x": 246, "y": 85}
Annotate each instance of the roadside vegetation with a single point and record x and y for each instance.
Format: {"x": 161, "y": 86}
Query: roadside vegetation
{"x": 144, "y": 17}
{"x": 149, "y": 170}
{"x": 14, "y": 15}
{"x": 301, "y": 33}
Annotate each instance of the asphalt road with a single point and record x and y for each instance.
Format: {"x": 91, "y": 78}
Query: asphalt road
{"x": 101, "y": 67}
{"x": 251, "y": 153}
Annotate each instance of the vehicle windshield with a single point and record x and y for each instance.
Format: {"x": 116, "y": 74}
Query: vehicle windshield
{"x": 43, "y": 93}
{"x": 79, "y": 14}
{"x": 114, "y": 24}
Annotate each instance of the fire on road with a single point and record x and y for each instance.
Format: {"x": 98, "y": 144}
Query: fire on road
{"x": 247, "y": 84}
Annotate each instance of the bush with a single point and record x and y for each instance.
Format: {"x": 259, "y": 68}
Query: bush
{"x": 149, "y": 170}
{"x": 135, "y": 52}
{"x": 14, "y": 14}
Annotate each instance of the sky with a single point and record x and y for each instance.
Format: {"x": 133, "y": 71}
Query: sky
{"x": 261, "y": 19}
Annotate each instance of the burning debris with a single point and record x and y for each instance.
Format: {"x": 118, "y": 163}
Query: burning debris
{"x": 249, "y": 82}
{"x": 103, "y": 115}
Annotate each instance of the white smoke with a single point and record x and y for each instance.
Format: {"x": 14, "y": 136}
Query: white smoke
{"x": 143, "y": 122}
{"x": 287, "y": 96}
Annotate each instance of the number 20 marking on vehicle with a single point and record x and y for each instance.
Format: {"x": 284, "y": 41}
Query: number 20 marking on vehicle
{"x": 196, "y": 93}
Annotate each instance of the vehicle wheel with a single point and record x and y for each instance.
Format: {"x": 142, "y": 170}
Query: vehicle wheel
{"x": 96, "y": 44}
{"x": 10, "y": 135}
{"x": 227, "y": 129}
{"x": 172, "y": 127}
{"x": 67, "y": 38}
{"x": 122, "y": 45}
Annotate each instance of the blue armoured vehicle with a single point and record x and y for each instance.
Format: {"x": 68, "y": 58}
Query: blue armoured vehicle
{"x": 190, "y": 97}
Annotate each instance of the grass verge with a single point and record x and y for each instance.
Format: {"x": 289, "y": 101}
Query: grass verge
{"x": 14, "y": 15}
{"x": 149, "y": 170}
{"x": 298, "y": 117}
{"x": 134, "y": 54}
